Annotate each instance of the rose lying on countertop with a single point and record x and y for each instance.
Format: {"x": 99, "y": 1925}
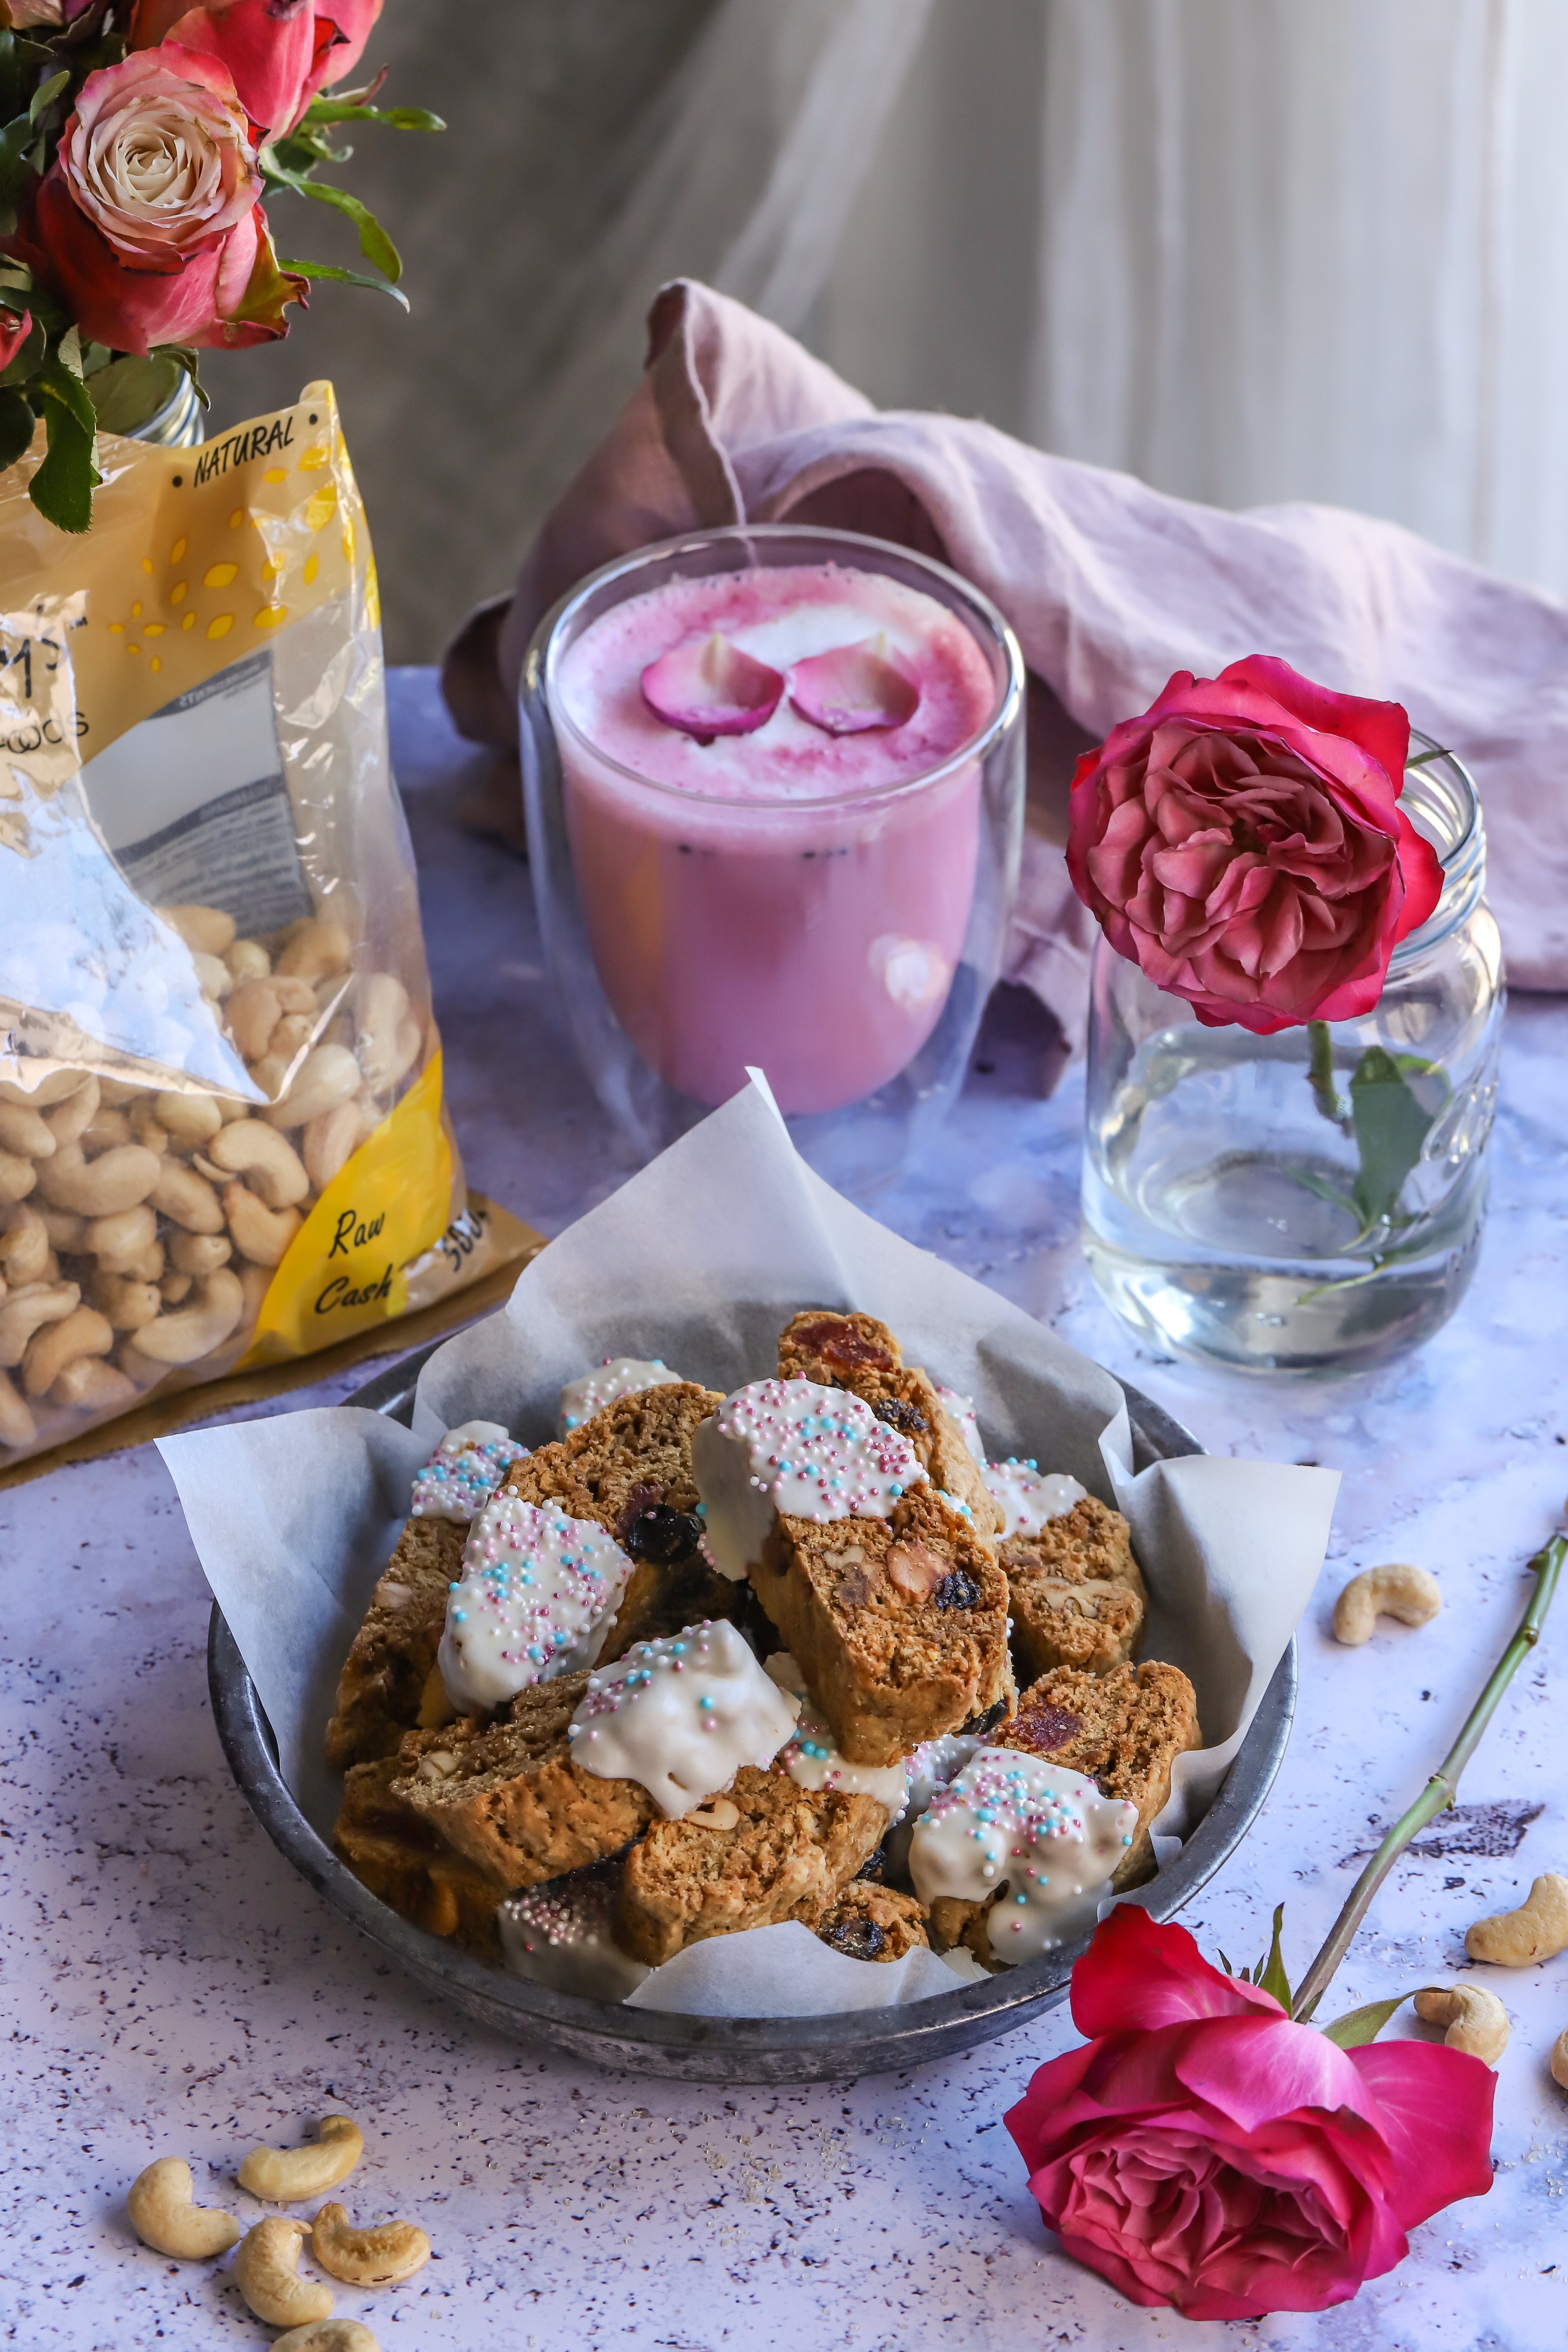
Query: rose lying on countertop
{"x": 1202, "y": 2150}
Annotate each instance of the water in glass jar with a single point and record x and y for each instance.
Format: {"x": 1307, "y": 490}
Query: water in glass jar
{"x": 1220, "y": 1212}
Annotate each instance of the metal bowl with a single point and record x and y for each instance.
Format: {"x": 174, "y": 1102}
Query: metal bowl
{"x": 715, "y": 2049}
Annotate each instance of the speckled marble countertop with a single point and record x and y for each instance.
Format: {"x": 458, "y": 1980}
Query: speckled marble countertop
{"x": 170, "y": 1986}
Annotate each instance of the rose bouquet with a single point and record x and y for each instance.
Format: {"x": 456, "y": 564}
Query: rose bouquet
{"x": 137, "y": 140}
{"x": 1209, "y": 2148}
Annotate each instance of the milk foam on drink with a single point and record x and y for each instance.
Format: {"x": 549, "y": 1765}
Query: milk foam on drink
{"x": 789, "y": 898}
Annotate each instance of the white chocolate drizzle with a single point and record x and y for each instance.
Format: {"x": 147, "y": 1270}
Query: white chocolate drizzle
{"x": 613, "y": 1378}
{"x": 534, "y": 1600}
{"x": 960, "y": 1407}
{"x": 560, "y": 1935}
{"x": 463, "y": 1470}
{"x": 812, "y": 1760}
{"x": 1030, "y": 1495}
{"x": 791, "y": 1447}
{"x": 1045, "y": 1834}
{"x": 680, "y": 1717}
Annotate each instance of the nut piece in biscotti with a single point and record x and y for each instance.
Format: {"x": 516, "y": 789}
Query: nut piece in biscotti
{"x": 630, "y": 1469}
{"x": 1078, "y": 1597}
{"x": 1123, "y": 1730}
{"x": 381, "y": 1687}
{"x": 768, "y": 1852}
{"x": 899, "y": 1625}
{"x": 857, "y": 1353}
{"x": 513, "y": 1803}
{"x": 391, "y": 1851}
{"x": 868, "y": 1922}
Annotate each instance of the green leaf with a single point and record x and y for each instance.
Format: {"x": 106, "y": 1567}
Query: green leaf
{"x": 70, "y": 349}
{"x": 63, "y": 486}
{"x": 125, "y": 395}
{"x": 1269, "y": 1975}
{"x": 1359, "y": 2026}
{"x": 45, "y": 94}
{"x": 345, "y": 277}
{"x": 373, "y": 242}
{"x": 1390, "y": 1129}
{"x": 10, "y": 74}
{"x": 17, "y": 423}
{"x": 186, "y": 357}
{"x": 15, "y": 141}
{"x": 397, "y": 118}
{"x": 1311, "y": 1181}
{"x": 57, "y": 384}
{"x": 1423, "y": 759}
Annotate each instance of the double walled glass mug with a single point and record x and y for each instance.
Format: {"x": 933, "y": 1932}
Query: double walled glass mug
{"x": 1311, "y": 1202}
{"x": 827, "y": 903}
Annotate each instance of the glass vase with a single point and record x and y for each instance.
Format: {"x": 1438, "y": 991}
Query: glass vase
{"x": 1311, "y": 1202}
{"x": 842, "y": 942}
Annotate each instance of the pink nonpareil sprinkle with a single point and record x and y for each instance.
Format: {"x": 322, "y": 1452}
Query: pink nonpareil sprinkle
{"x": 854, "y": 689}
{"x": 708, "y": 686}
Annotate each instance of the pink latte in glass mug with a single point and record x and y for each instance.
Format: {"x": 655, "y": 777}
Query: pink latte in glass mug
{"x": 791, "y": 897}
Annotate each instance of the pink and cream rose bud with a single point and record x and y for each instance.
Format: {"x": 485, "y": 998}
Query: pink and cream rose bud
{"x": 279, "y": 52}
{"x": 146, "y": 225}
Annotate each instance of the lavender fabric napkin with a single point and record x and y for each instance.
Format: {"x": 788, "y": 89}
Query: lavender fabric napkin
{"x": 1110, "y": 585}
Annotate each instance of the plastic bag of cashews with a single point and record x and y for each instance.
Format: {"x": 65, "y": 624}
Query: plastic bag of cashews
{"x": 222, "y": 1137}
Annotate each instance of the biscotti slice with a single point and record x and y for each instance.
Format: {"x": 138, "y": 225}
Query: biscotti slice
{"x": 868, "y": 1922}
{"x": 764, "y": 1852}
{"x": 858, "y": 1353}
{"x": 560, "y": 1934}
{"x": 403, "y": 1863}
{"x": 389, "y": 1685}
{"x": 899, "y": 1624}
{"x": 513, "y": 1803}
{"x": 1014, "y": 1857}
{"x": 630, "y": 1469}
{"x": 1124, "y": 1731}
{"x": 1078, "y": 1597}
{"x": 392, "y": 1657}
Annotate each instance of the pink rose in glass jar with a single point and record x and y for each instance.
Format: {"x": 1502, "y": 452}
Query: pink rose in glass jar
{"x": 1242, "y": 843}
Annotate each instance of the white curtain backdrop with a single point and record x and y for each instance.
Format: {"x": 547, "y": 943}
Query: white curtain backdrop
{"x": 1257, "y": 250}
{"x": 1251, "y": 251}
{"x": 766, "y": 137}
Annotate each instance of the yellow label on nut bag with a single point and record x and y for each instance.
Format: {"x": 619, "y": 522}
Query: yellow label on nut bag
{"x": 344, "y": 1268}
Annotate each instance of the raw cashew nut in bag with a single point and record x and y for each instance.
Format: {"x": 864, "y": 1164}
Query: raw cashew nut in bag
{"x": 222, "y": 1137}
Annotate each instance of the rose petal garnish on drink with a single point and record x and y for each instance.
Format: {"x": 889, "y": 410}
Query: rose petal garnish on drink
{"x": 710, "y": 687}
{"x": 853, "y": 687}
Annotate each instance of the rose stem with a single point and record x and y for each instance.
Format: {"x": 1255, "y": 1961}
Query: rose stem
{"x": 1320, "y": 1076}
{"x": 1440, "y": 1790}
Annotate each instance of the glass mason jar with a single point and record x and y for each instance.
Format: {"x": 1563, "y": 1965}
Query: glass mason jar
{"x": 152, "y": 400}
{"x": 1311, "y": 1202}
{"x": 843, "y": 942}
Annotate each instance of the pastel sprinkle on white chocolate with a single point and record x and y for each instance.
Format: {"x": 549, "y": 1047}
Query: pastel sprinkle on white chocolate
{"x": 534, "y": 1600}
{"x": 1030, "y": 1495}
{"x": 960, "y": 1409}
{"x": 1044, "y": 1834}
{"x": 465, "y": 1471}
{"x": 812, "y": 1760}
{"x": 560, "y": 1935}
{"x": 613, "y": 1378}
{"x": 680, "y": 1717}
{"x": 793, "y": 1447}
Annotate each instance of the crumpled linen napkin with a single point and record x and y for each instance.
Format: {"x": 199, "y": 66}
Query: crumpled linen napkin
{"x": 1110, "y": 585}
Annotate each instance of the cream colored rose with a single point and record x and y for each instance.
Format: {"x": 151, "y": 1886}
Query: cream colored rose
{"x": 158, "y": 156}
